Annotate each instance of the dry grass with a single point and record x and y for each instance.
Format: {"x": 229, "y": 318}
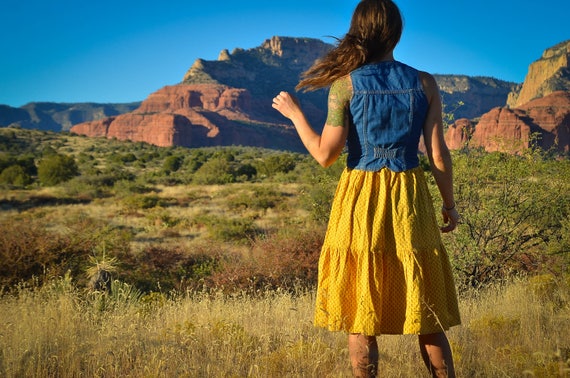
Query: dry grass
{"x": 172, "y": 224}
{"x": 58, "y": 331}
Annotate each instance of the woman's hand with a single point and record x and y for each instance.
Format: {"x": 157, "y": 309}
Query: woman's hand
{"x": 450, "y": 218}
{"x": 325, "y": 147}
{"x": 287, "y": 105}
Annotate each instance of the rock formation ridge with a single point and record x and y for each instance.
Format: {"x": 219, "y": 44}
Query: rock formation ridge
{"x": 548, "y": 74}
{"x": 193, "y": 115}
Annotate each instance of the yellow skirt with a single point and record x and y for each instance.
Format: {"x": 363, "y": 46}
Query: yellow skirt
{"x": 383, "y": 268}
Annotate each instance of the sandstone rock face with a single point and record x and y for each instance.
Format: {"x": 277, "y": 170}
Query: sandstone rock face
{"x": 552, "y": 114}
{"x": 97, "y": 128}
{"x": 264, "y": 71}
{"x": 503, "y": 129}
{"x": 262, "y": 63}
{"x": 549, "y": 74}
{"x": 459, "y": 133}
{"x": 544, "y": 122}
{"x": 193, "y": 115}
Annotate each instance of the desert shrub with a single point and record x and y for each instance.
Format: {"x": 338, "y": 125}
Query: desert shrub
{"x": 513, "y": 214}
{"x": 124, "y": 188}
{"x": 215, "y": 171}
{"x": 55, "y": 169}
{"x": 128, "y": 157}
{"x": 164, "y": 269}
{"x": 245, "y": 172}
{"x": 318, "y": 191}
{"x": 276, "y": 163}
{"x": 164, "y": 219}
{"x": 117, "y": 172}
{"x": 21, "y": 169}
{"x": 254, "y": 197}
{"x": 227, "y": 229}
{"x": 85, "y": 188}
{"x": 318, "y": 186}
{"x": 284, "y": 261}
{"x": 148, "y": 156}
{"x": 48, "y": 150}
{"x": 141, "y": 202}
{"x": 290, "y": 258}
{"x": 15, "y": 176}
{"x": 28, "y": 163}
{"x": 28, "y": 250}
{"x": 194, "y": 160}
{"x": 100, "y": 180}
{"x": 84, "y": 158}
{"x": 172, "y": 163}
{"x": 6, "y": 160}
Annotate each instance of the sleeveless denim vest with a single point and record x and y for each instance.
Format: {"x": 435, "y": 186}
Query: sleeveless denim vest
{"x": 388, "y": 109}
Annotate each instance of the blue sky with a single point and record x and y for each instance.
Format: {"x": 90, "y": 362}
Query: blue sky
{"x": 123, "y": 50}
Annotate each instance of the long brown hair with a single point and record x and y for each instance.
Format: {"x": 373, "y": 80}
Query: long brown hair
{"x": 375, "y": 30}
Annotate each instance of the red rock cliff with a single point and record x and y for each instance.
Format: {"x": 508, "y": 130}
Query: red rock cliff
{"x": 513, "y": 130}
{"x": 190, "y": 115}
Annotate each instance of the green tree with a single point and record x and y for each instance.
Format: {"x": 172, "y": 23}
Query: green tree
{"x": 56, "y": 168}
{"x": 215, "y": 171}
{"x": 172, "y": 163}
{"x": 276, "y": 163}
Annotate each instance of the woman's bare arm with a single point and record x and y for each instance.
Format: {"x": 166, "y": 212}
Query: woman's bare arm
{"x": 438, "y": 153}
{"x": 327, "y": 147}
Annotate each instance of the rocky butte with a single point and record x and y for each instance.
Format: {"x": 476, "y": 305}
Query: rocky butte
{"x": 224, "y": 102}
{"x": 550, "y": 73}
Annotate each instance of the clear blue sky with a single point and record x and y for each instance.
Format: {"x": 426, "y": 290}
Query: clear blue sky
{"x": 123, "y": 50}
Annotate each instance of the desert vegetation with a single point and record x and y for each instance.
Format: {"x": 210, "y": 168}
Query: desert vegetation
{"x": 210, "y": 258}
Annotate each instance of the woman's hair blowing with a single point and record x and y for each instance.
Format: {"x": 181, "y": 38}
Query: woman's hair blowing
{"x": 375, "y": 30}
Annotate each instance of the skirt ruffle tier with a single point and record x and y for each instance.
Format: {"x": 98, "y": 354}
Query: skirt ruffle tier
{"x": 383, "y": 268}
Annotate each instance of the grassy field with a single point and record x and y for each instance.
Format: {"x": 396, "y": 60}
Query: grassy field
{"x": 213, "y": 255}
{"x": 514, "y": 330}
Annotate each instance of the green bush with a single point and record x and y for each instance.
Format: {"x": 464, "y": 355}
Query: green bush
{"x": 215, "y": 171}
{"x": 55, "y": 169}
{"x": 513, "y": 212}
{"x": 30, "y": 251}
{"x": 318, "y": 191}
{"x": 228, "y": 229}
{"x": 165, "y": 269}
{"x": 254, "y": 197}
{"x": 15, "y": 176}
{"x": 245, "y": 171}
{"x": 141, "y": 202}
{"x": 276, "y": 163}
{"x": 172, "y": 163}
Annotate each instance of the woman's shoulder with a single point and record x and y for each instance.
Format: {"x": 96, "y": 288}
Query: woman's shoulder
{"x": 428, "y": 83}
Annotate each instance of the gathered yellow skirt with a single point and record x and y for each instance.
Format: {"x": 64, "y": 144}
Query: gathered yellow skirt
{"x": 383, "y": 268}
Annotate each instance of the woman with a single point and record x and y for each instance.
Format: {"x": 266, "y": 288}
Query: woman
{"x": 383, "y": 268}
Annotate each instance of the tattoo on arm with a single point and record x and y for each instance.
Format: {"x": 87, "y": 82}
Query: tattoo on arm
{"x": 339, "y": 99}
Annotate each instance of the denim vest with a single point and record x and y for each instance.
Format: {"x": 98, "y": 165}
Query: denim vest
{"x": 388, "y": 109}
